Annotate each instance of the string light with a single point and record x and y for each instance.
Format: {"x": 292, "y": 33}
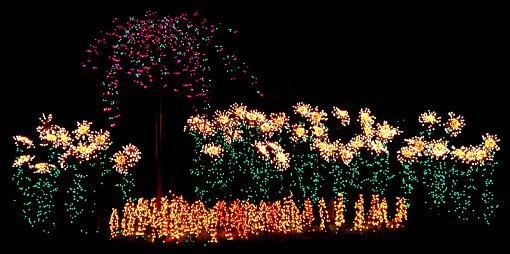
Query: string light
{"x": 401, "y": 214}
{"x": 359, "y": 219}
{"x": 458, "y": 181}
{"x": 323, "y": 214}
{"x": 178, "y": 221}
{"x": 338, "y": 210}
{"x": 72, "y": 166}
{"x": 277, "y": 155}
{"x": 114, "y": 223}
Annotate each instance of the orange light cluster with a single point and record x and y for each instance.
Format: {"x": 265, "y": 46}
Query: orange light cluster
{"x": 175, "y": 220}
{"x": 378, "y": 213}
{"x": 401, "y": 214}
{"x": 359, "y": 219}
{"x": 126, "y": 158}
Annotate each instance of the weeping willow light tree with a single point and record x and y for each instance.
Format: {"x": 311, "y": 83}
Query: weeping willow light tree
{"x": 69, "y": 171}
{"x": 458, "y": 181}
{"x": 182, "y": 54}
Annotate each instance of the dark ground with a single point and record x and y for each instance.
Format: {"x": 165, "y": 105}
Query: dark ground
{"x": 397, "y": 60}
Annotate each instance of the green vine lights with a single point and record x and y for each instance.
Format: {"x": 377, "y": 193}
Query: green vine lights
{"x": 69, "y": 172}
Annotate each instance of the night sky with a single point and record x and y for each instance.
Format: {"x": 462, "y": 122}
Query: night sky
{"x": 397, "y": 61}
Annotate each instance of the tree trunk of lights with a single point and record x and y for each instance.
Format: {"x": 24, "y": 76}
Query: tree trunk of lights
{"x": 159, "y": 139}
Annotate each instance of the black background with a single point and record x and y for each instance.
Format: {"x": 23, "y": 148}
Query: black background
{"x": 398, "y": 60}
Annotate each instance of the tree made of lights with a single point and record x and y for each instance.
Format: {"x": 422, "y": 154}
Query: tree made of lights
{"x": 69, "y": 171}
{"x": 179, "y": 54}
{"x": 458, "y": 181}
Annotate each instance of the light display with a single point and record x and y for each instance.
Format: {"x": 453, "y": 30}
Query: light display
{"x": 339, "y": 210}
{"x": 179, "y": 221}
{"x": 458, "y": 181}
{"x": 323, "y": 214}
{"x": 359, "y": 219}
{"x": 401, "y": 214}
{"x": 114, "y": 223}
{"x": 75, "y": 167}
{"x": 126, "y": 158}
{"x": 174, "y": 53}
{"x": 279, "y": 155}
{"x": 378, "y": 213}
{"x": 298, "y": 155}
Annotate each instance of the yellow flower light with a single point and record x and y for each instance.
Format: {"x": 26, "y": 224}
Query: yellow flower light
{"x": 212, "y": 150}
{"x": 318, "y": 131}
{"x": 299, "y": 132}
{"x": 454, "y": 125}
{"x": 126, "y": 158}
{"x": 42, "y": 168}
{"x": 222, "y": 119}
{"x": 407, "y": 154}
{"x": 82, "y": 130}
{"x": 356, "y": 143}
{"x": 386, "y": 132}
{"x": 239, "y": 111}
{"x": 316, "y": 116}
{"x": 342, "y": 115}
{"x": 23, "y": 159}
{"x": 302, "y": 109}
{"x": 345, "y": 154}
{"x": 260, "y": 117}
{"x": 275, "y": 146}
{"x": 459, "y": 153}
{"x": 417, "y": 143}
{"x": 437, "y": 149}
{"x": 194, "y": 122}
{"x": 365, "y": 117}
{"x": 281, "y": 160}
{"x": 251, "y": 116}
{"x": 490, "y": 142}
{"x": 429, "y": 119}
{"x": 262, "y": 150}
{"x": 205, "y": 128}
{"x": 24, "y": 141}
{"x": 377, "y": 147}
{"x": 279, "y": 120}
{"x": 266, "y": 128}
{"x": 368, "y": 131}
{"x": 120, "y": 159}
{"x": 326, "y": 149}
